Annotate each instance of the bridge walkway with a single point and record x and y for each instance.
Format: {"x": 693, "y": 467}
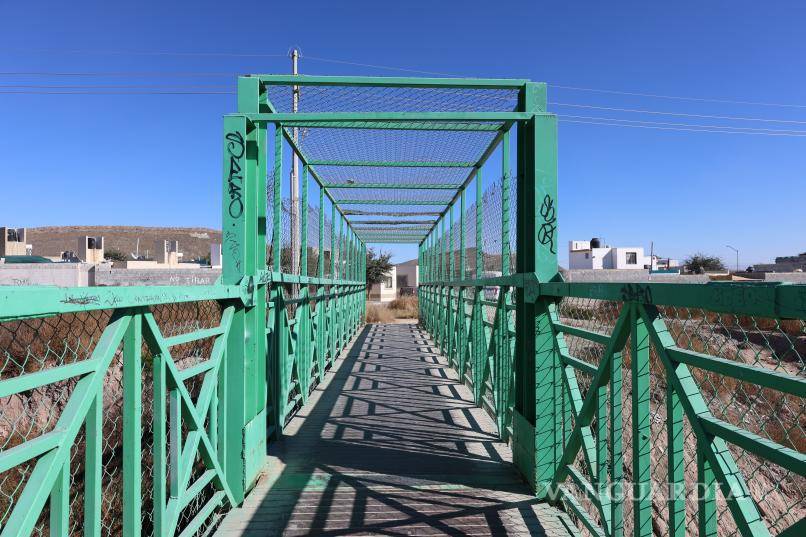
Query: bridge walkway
{"x": 392, "y": 444}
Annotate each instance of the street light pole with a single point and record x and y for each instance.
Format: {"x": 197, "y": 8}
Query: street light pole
{"x": 737, "y": 255}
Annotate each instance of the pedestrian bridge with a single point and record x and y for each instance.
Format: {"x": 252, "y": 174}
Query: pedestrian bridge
{"x": 518, "y": 404}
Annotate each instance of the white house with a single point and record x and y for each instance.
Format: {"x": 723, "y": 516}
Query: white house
{"x": 408, "y": 277}
{"x": 593, "y": 254}
{"x": 386, "y": 291}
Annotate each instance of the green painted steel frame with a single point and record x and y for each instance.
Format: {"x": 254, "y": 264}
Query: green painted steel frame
{"x": 264, "y": 363}
{"x": 529, "y": 376}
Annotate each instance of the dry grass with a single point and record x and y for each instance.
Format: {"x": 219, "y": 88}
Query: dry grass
{"x": 379, "y": 314}
{"x": 406, "y": 307}
{"x": 400, "y": 308}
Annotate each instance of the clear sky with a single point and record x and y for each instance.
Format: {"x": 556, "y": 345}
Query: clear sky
{"x": 155, "y": 159}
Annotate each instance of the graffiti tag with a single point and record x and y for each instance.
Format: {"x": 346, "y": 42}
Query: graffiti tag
{"x": 631, "y": 292}
{"x": 235, "y": 150}
{"x": 545, "y": 235}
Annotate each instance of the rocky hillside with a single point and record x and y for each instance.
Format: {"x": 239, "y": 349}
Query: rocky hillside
{"x": 193, "y": 241}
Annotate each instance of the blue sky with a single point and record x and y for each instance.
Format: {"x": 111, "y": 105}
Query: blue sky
{"x": 155, "y": 159}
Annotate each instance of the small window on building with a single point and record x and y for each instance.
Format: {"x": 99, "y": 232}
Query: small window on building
{"x": 632, "y": 258}
{"x": 387, "y": 282}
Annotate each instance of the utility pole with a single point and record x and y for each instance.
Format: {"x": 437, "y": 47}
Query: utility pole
{"x": 295, "y": 210}
{"x": 737, "y": 256}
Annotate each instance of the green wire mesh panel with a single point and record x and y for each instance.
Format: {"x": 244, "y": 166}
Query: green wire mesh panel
{"x": 326, "y": 244}
{"x": 42, "y": 344}
{"x": 37, "y": 345}
{"x": 513, "y": 225}
{"x": 470, "y": 241}
{"x": 776, "y": 345}
{"x": 312, "y": 214}
{"x": 491, "y": 230}
{"x": 269, "y": 218}
{"x": 393, "y": 99}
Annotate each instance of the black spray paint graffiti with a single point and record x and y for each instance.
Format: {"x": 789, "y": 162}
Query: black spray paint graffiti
{"x": 632, "y": 292}
{"x": 235, "y": 149}
{"x": 546, "y": 232}
{"x": 233, "y": 246}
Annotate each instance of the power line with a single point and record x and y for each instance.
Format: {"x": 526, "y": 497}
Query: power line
{"x": 148, "y": 53}
{"x": 184, "y": 87}
{"x": 679, "y": 114}
{"x": 611, "y": 124}
{"x": 373, "y": 66}
{"x": 26, "y": 92}
{"x": 677, "y": 97}
{"x": 115, "y": 74}
{"x": 750, "y": 129}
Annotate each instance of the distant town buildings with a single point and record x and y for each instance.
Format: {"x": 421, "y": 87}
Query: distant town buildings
{"x": 91, "y": 249}
{"x": 791, "y": 263}
{"x": 594, "y": 255}
{"x": 386, "y": 291}
{"x": 408, "y": 277}
{"x": 402, "y": 280}
{"x": 166, "y": 256}
{"x": 13, "y": 241}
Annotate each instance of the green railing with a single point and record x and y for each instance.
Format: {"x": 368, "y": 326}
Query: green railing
{"x": 147, "y": 410}
{"x": 122, "y": 409}
{"x": 641, "y": 408}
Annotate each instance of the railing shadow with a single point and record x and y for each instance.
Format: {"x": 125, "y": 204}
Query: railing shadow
{"x": 392, "y": 443}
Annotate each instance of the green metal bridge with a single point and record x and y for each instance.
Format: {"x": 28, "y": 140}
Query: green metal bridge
{"x": 521, "y": 403}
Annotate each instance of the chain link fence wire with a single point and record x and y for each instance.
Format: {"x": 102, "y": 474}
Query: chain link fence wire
{"x": 777, "y": 345}
{"x": 470, "y": 241}
{"x": 389, "y": 175}
{"x": 491, "y": 232}
{"x": 392, "y": 99}
{"x": 41, "y": 344}
{"x": 390, "y": 145}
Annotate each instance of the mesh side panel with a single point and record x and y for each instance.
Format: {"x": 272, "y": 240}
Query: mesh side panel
{"x": 270, "y": 231}
{"x": 470, "y": 241}
{"x": 456, "y": 236}
{"x": 286, "y": 251}
{"x": 761, "y": 342}
{"x": 491, "y": 230}
{"x": 42, "y": 344}
{"x": 513, "y": 226}
{"x": 313, "y": 240}
{"x": 395, "y": 99}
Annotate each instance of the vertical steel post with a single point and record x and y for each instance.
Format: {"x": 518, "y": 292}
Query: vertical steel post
{"x": 479, "y": 352}
{"x": 504, "y": 359}
{"x": 641, "y": 431}
{"x": 235, "y": 249}
{"x": 132, "y": 427}
{"x": 279, "y": 387}
{"x": 462, "y": 357}
{"x": 537, "y": 422}
{"x": 321, "y": 310}
{"x": 331, "y": 299}
{"x": 451, "y": 276}
{"x": 303, "y": 325}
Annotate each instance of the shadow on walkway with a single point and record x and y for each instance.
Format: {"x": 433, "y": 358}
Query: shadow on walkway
{"x": 392, "y": 444}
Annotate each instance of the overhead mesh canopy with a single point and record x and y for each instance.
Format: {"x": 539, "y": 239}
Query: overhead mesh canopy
{"x": 392, "y": 179}
{"x": 393, "y": 99}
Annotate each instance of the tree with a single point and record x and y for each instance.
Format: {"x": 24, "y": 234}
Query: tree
{"x": 700, "y": 263}
{"x": 114, "y": 255}
{"x": 378, "y": 265}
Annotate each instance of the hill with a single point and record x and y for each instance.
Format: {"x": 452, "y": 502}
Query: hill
{"x": 193, "y": 241}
